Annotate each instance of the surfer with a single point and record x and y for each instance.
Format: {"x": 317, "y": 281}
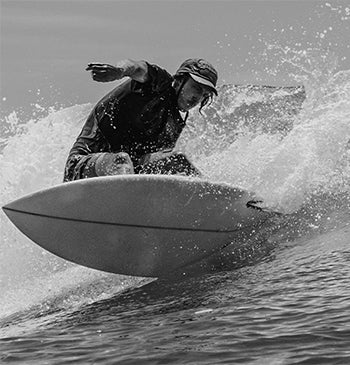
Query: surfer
{"x": 134, "y": 128}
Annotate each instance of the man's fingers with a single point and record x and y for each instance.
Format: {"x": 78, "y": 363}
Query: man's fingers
{"x": 97, "y": 69}
{"x": 94, "y": 67}
{"x": 104, "y": 72}
{"x": 100, "y": 72}
{"x": 97, "y": 64}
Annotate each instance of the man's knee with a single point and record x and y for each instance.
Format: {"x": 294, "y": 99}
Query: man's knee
{"x": 114, "y": 164}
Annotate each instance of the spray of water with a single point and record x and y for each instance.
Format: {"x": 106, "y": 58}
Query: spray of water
{"x": 286, "y": 144}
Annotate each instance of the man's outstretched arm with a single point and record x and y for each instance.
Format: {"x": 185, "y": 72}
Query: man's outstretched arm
{"x": 103, "y": 72}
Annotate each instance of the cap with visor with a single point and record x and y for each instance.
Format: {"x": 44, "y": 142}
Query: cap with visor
{"x": 200, "y": 71}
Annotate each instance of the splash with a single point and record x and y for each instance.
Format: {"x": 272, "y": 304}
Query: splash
{"x": 34, "y": 152}
{"x": 284, "y": 143}
{"x": 32, "y": 158}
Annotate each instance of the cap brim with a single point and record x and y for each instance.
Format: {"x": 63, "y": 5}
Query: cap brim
{"x": 203, "y": 81}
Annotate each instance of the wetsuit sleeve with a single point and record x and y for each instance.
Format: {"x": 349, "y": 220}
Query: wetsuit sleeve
{"x": 158, "y": 80}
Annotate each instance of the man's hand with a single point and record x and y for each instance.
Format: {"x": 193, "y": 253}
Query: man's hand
{"x": 103, "y": 72}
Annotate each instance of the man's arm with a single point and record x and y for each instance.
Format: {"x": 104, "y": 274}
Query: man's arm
{"x": 102, "y": 72}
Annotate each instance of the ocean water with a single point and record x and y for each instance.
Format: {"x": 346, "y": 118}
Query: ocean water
{"x": 281, "y": 297}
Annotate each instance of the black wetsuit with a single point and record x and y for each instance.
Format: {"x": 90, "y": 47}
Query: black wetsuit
{"x": 136, "y": 118}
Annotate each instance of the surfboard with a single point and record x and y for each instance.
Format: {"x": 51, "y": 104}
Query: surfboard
{"x": 140, "y": 225}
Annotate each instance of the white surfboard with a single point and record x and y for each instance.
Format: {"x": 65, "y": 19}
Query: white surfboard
{"x": 141, "y": 225}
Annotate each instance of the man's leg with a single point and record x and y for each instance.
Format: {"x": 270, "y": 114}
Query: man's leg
{"x": 97, "y": 164}
{"x": 114, "y": 164}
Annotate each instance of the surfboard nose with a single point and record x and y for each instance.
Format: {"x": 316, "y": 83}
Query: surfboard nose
{"x": 19, "y": 213}
{"x": 12, "y": 207}
{"x": 10, "y": 211}
{"x": 8, "y": 208}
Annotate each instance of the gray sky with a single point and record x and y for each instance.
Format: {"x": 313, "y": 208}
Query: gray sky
{"x": 45, "y": 45}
